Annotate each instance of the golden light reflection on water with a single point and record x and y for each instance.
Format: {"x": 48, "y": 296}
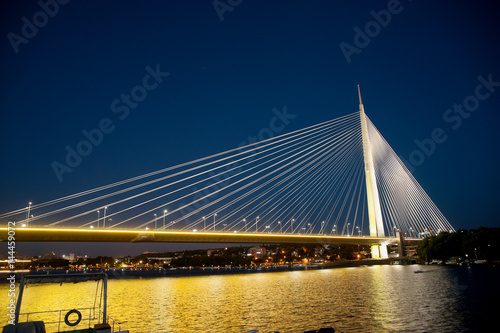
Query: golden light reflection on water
{"x": 364, "y": 299}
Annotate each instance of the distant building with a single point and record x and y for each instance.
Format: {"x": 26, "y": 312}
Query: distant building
{"x": 256, "y": 252}
{"x": 70, "y": 257}
{"x": 49, "y": 255}
{"x": 164, "y": 260}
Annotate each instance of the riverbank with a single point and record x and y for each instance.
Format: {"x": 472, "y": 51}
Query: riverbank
{"x": 133, "y": 273}
{"x": 139, "y": 273}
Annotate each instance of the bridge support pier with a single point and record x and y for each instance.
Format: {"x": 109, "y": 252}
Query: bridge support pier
{"x": 401, "y": 247}
{"x": 380, "y": 251}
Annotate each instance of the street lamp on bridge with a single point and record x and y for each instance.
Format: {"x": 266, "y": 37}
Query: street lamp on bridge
{"x": 98, "y": 217}
{"x": 164, "y": 213}
{"x": 156, "y": 219}
{"x": 104, "y": 218}
{"x": 256, "y": 226}
{"x": 28, "y": 215}
{"x": 204, "y": 224}
{"x": 214, "y": 220}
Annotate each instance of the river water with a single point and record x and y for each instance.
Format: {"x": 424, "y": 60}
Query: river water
{"x": 362, "y": 299}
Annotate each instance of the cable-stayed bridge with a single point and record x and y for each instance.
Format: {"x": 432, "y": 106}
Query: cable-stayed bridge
{"x": 335, "y": 182}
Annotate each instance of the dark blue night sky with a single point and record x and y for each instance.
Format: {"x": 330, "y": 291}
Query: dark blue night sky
{"x": 217, "y": 69}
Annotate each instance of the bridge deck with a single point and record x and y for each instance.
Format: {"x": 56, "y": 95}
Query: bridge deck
{"x": 156, "y": 236}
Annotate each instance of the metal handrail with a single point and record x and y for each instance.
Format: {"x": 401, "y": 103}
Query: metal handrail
{"x": 90, "y": 317}
{"x": 28, "y": 313}
{"x": 112, "y": 322}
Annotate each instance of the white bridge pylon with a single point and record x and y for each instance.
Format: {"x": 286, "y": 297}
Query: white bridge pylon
{"x": 337, "y": 178}
{"x": 373, "y": 200}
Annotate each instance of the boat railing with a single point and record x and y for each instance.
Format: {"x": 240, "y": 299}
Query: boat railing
{"x": 60, "y": 314}
{"x": 89, "y": 315}
{"x": 91, "y": 319}
{"x": 112, "y": 323}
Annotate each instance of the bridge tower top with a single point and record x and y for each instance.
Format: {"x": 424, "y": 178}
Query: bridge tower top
{"x": 361, "y": 107}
